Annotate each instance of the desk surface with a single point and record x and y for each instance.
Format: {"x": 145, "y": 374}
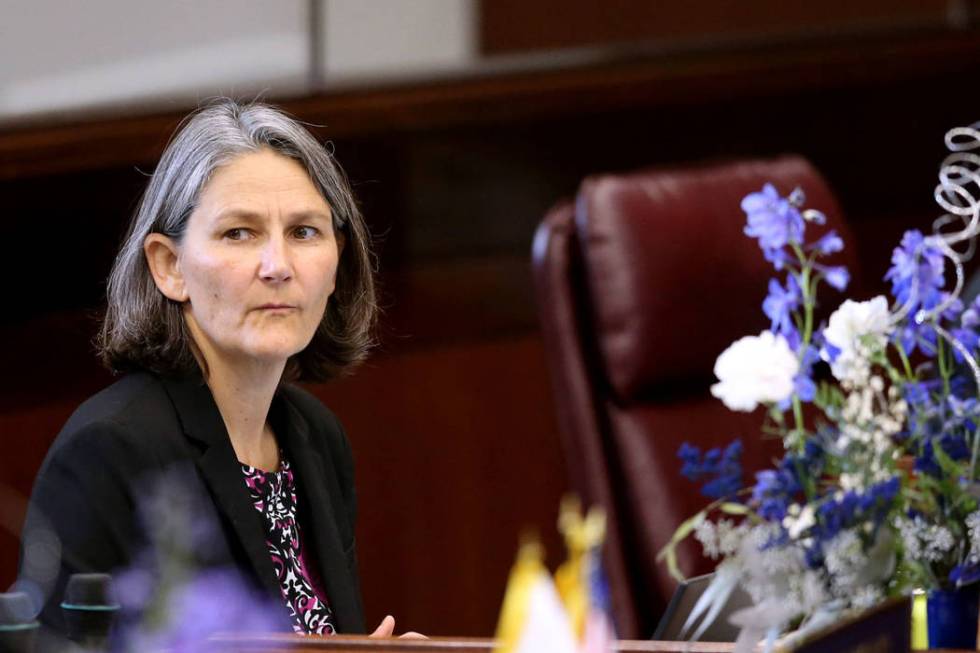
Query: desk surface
{"x": 360, "y": 644}
{"x": 351, "y": 644}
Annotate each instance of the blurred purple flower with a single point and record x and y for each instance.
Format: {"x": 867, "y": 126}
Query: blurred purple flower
{"x": 965, "y": 573}
{"x": 917, "y": 261}
{"x": 721, "y": 470}
{"x": 211, "y": 602}
{"x": 836, "y": 276}
{"x": 780, "y": 303}
{"x": 804, "y": 388}
{"x": 912, "y": 337}
{"x": 778, "y": 257}
{"x": 772, "y": 220}
{"x": 968, "y": 338}
{"x": 970, "y": 318}
{"x": 829, "y": 243}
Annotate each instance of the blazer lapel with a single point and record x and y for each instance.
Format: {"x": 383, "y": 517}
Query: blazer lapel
{"x": 323, "y": 501}
{"x": 201, "y": 421}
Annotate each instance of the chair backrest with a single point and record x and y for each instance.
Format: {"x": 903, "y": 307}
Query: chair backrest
{"x": 641, "y": 282}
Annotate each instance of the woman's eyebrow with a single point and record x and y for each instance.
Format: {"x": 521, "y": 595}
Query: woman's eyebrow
{"x": 311, "y": 214}
{"x": 238, "y": 213}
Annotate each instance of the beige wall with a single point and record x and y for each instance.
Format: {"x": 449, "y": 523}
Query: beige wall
{"x": 65, "y": 55}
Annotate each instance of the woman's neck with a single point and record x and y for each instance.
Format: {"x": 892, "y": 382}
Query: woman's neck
{"x": 243, "y": 394}
{"x": 243, "y": 390}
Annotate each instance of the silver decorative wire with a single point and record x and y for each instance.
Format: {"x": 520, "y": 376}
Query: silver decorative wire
{"x": 958, "y": 194}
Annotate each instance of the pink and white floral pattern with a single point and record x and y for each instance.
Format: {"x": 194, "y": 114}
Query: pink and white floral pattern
{"x": 274, "y": 496}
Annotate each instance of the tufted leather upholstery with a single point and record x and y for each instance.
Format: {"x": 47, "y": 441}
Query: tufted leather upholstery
{"x": 641, "y": 282}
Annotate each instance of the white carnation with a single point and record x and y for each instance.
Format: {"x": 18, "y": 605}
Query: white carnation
{"x": 754, "y": 370}
{"x": 858, "y": 330}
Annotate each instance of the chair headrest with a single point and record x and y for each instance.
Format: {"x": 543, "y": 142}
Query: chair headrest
{"x": 673, "y": 279}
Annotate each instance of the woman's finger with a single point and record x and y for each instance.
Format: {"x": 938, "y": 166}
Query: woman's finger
{"x": 386, "y": 628}
{"x": 412, "y": 635}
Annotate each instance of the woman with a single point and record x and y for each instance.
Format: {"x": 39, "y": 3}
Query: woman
{"x": 246, "y": 266}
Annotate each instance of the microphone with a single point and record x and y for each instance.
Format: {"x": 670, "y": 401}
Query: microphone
{"x": 89, "y": 608}
{"x": 18, "y": 627}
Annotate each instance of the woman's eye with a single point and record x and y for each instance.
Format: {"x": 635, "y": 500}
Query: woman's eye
{"x": 237, "y": 233}
{"x": 305, "y": 232}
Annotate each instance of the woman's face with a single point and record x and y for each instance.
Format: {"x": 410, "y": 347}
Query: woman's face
{"x": 258, "y": 260}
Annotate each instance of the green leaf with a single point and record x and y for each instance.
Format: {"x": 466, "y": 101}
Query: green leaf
{"x": 668, "y": 554}
{"x": 949, "y": 466}
{"x": 686, "y": 528}
{"x": 734, "y": 508}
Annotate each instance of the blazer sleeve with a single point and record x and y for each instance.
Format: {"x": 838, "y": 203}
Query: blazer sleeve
{"x": 81, "y": 517}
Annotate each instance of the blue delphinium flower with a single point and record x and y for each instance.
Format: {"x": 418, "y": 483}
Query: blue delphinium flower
{"x": 839, "y": 512}
{"x": 835, "y": 514}
{"x": 916, "y": 337}
{"x": 829, "y": 243}
{"x": 804, "y": 387}
{"x": 876, "y": 502}
{"x": 917, "y": 259}
{"x": 773, "y": 492}
{"x": 916, "y": 394}
{"x": 922, "y": 337}
{"x": 968, "y": 331}
{"x": 776, "y": 489}
{"x": 722, "y": 470}
{"x": 953, "y": 445}
{"x": 965, "y": 573}
{"x": 773, "y": 220}
{"x": 780, "y": 303}
{"x": 837, "y": 276}
{"x": 970, "y": 319}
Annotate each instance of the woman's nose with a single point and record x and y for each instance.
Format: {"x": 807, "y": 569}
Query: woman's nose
{"x": 275, "y": 266}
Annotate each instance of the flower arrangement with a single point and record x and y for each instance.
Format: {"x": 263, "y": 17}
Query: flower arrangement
{"x": 877, "y": 492}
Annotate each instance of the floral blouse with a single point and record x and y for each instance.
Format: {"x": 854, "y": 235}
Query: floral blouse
{"x": 274, "y": 496}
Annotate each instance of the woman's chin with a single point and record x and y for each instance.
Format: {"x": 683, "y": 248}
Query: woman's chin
{"x": 272, "y": 353}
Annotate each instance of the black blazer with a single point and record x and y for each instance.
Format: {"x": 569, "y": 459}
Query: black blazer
{"x": 146, "y": 436}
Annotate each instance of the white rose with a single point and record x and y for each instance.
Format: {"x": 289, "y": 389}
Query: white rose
{"x": 754, "y": 370}
{"x": 858, "y": 330}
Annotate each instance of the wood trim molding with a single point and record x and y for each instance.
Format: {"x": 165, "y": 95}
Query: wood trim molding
{"x": 586, "y": 82}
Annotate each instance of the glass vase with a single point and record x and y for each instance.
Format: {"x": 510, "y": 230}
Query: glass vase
{"x": 951, "y": 617}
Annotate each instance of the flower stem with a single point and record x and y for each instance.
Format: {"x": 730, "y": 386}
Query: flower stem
{"x": 944, "y": 370}
{"x": 798, "y": 431}
{"x": 905, "y": 361}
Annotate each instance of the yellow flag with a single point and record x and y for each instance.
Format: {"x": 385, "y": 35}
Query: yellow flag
{"x": 532, "y": 618}
{"x": 575, "y": 579}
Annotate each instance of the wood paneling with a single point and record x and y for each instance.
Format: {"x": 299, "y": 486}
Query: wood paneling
{"x": 508, "y": 26}
{"x": 642, "y": 80}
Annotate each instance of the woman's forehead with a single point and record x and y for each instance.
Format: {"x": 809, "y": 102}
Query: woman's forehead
{"x": 249, "y": 183}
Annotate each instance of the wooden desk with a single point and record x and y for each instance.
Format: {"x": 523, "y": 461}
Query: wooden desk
{"x": 360, "y": 644}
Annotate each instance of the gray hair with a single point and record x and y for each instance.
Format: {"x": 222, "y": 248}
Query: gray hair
{"x": 143, "y": 329}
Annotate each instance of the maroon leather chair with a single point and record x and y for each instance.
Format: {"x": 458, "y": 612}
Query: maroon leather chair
{"x": 641, "y": 282}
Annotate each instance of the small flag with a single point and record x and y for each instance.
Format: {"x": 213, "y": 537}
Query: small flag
{"x": 533, "y": 618}
{"x": 580, "y": 580}
{"x": 599, "y": 635}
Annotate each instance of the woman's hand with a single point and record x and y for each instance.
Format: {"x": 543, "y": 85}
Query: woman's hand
{"x": 387, "y": 629}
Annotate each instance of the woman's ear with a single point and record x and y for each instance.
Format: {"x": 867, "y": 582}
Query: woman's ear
{"x": 161, "y": 256}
